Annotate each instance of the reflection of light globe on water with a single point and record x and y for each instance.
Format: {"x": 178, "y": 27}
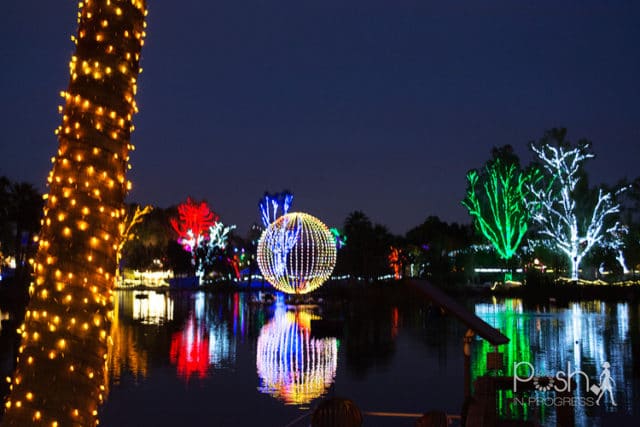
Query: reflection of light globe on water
{"x": 296, "y": 253}
{"x": 292, "y": 366}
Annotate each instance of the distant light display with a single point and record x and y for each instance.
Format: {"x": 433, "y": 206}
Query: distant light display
{"x": 340, "y": 238}
{"x": 296, "y": 253}
{"x": 395, "y": 262}
{"x": 292, "y": 366}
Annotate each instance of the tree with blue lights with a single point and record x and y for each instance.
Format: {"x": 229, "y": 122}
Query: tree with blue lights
{"x": 273, "y": 206}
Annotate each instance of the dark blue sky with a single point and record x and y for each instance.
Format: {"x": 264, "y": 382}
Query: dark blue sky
{"x": 374, "y": 105}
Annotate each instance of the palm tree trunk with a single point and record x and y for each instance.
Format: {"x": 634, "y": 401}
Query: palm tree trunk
{"x": 60, "y": 377}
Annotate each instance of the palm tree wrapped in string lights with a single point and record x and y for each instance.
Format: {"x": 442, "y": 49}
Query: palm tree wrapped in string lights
{"x": 61, "y": 372}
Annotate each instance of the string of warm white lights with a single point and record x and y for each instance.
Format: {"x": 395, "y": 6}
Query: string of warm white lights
{"x": 296, "y": 253}
{"x": 60, "y": 377}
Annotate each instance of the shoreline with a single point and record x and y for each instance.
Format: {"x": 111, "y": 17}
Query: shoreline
{"x": 539, "y": 292}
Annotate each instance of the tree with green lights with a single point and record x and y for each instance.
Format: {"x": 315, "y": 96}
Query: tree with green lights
{"x": 496, "y": 200}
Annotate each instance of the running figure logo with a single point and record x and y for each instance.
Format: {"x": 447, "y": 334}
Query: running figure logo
{"x": 606, "y": 384}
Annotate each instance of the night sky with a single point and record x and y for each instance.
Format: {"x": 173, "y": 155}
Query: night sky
{"x": 380, "y": 106}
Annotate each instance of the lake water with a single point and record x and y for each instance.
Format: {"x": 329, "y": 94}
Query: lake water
{"x": 194, "y": 358}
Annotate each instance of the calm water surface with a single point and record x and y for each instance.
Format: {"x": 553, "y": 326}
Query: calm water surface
{"x": 232, "y": 360}
{"x": 576, "y": 337}
{"x": 187, "y": 358}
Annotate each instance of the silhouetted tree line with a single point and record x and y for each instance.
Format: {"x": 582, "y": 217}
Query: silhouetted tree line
{"x": 366, "y": 256}
{"x": 434, "y": 249}
{"x": 20, "y": 211}
{"x": 440, "y": 251}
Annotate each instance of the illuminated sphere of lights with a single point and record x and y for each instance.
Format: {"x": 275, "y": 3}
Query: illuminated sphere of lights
{"x": 296, "y": 253}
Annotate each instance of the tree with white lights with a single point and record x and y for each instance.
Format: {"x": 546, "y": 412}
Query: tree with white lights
{"x": 623, "y": 243}
{"x": 211, "y": 248}
{"x": 555, "y": 202}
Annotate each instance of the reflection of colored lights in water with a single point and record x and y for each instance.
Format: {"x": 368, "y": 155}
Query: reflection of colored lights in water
{"x": 395, "y": 322}
{"x": 190, "y": 350}
{"x": 203, "y": 343}
{"x": 152, "y": 308}
{"x": 3, "y": 316}
{"x": 622, "y": 311}
{"x": 239, "y": 318}
{"x": 509, "y": 319}
{"x": 124, "y": 353}
{"x": 583, "y": 336}
{"x": 292, "y": 366}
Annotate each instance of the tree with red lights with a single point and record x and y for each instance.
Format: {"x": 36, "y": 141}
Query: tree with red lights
{"x": 396, "y": 260}
{"x": 193, "y": 222}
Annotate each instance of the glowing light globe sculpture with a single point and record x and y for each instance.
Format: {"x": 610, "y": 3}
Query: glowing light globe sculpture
{"x": 296, "y": 253}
